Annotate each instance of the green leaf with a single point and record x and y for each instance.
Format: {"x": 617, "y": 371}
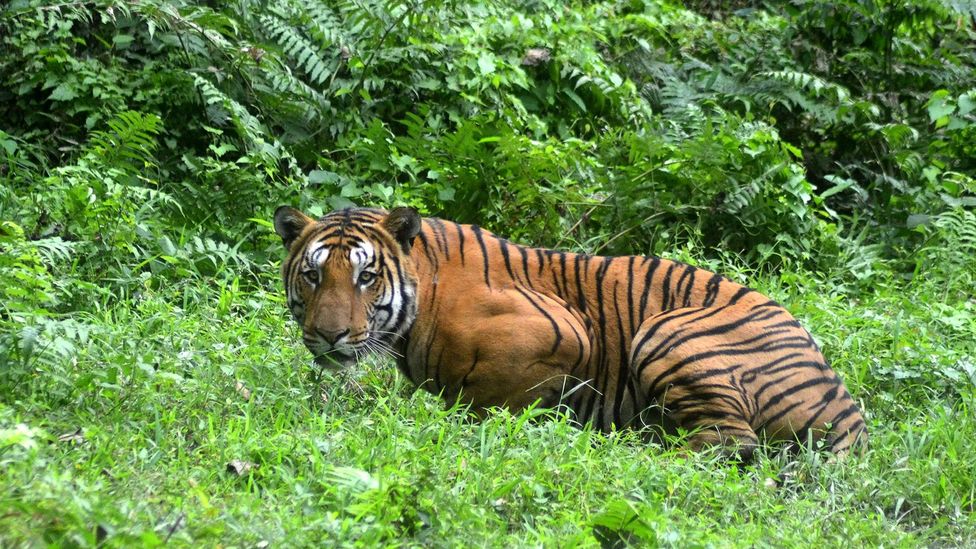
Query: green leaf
{"x": 384, "y": 191}
{"x": 318, "y": 177}
{"x": 486, "y": 63}
{"x": 915, "y": 220}
{"x": 576, "y": 99}
{"x": 446, "y": 194}
{"x": 940, "y": 108}
{"x": 8, "y": 145}
{"x": 64, "y": 92}
{"x": 967, "y": 103}
{"x": 840, "y": 184}
{"x": 350, "y": 191}
{"x": 122, "y": 41}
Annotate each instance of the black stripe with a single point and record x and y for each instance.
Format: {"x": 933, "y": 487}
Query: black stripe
{"x": 525, "y": 264}
{"x": 603, "y": 364}
{"x": 707, "y": 398}
{"x": 844, "y": 414}
{"x": 827, "y": 398}
{"x": 739, "y": 295}
{"x": 623, "y": 368}
{"x": 437, "y": 371}
{"x": 648, "y": 279}
{"x": 764, "y": 335}
{"x": 664, "y": 318}
{"x": 484, "y": 251}
{"x": 804, "y": 431}
{"x": 793, "y": 369}
{"x": 666, "y": 289}
{"x": 403, "y": 283}
{"x": 562, "y": 274}
{"x": 670, "y": 342}
{"x": 712, "y": 289}
{"x": 690, "y": 271}
{"x": 474, "y": 363}
{"x": 695, "y": 378}
{"x": 690, "y": 324}
{"x": 777, "y": 416}
{"x": 630, "y": 298}
{"x": 580, "y": 299}
{"x": 555, "y": 279}
{"x": 460, "y": 233}
{"x": 849, "y": 437}
{"x": 503, "y": 247}
{"x": 579, "y": 357}
{"x": 770, "y": 368}
{"x": 708, "y": 354}
{"x": 793, "y": 389}
{"x": 555, "y": 326}
{"x": 440, "y": 233}
{"x": 425, "y": 244}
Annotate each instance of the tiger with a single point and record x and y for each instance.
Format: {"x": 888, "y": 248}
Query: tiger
{"x": 626, "y": 342}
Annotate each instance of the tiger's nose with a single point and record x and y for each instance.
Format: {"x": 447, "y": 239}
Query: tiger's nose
{"x": 332, "y": 336}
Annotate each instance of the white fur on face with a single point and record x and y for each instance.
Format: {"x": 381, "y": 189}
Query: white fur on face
{"x": 317, "y": 255}
{"x": 360, "y": 257}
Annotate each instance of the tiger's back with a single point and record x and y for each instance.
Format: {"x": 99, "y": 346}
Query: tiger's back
{"x": 619, "y": 341}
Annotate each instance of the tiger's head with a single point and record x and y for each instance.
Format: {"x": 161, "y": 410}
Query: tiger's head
{"x": 349, "y": 280}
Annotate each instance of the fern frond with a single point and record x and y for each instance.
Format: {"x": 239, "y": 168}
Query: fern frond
{"x": 225, "y": 109}
{"x": 958, "y": 227}
{"x": 303, "y": 51}
{"x": 965, "y": 8}
{"x": 131, "y": 135}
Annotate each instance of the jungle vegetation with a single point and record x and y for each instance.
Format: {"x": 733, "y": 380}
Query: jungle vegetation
{"x": 154, "y": 391}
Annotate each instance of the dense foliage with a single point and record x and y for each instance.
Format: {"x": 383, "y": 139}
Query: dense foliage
{"x": 821, "y": 150}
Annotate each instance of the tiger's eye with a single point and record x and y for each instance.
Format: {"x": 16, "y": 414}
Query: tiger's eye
{"x": 311, "y": 276}
{"x": 366, "y": 278}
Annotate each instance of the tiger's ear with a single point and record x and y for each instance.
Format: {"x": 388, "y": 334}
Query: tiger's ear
{"x": 404, "y": 224}
{"x": 288, "y": 223}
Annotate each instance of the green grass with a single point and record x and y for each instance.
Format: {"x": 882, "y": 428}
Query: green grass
{"x": 124, "y": 435}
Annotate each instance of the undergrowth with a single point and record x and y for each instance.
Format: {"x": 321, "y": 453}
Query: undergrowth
{"x": 153, "y": 393}
{"x": 132, "y": 436}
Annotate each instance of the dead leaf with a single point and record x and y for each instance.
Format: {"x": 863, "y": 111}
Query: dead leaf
{"x": 536, "y": 56}
{"x": 172, "y": 529}
{"x": 240, "y": 468}
{"x": 243, "y": 391}
{"x": 76, "y": 437}
{"x": 256, "y": 53}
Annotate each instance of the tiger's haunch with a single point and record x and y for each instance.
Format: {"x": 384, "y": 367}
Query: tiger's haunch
{"x": 618, "y": 341}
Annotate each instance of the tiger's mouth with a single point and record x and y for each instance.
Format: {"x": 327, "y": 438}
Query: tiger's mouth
{"x": 335, "y": 359}
{"x": 347, "y": 353}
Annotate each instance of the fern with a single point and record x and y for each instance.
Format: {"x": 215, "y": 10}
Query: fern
{"x": 131, "y": 136}
{"x": 303, "y": 51}
{"x": 826, "y": 101}
{"x": 324, "y": 25}
{"x": 965, "y": 8}
{"x": 224, "y": 109}
{"x": 957, "y": 228}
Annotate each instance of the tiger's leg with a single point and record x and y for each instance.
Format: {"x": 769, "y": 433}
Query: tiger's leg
{"x": 673, "y": 356}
